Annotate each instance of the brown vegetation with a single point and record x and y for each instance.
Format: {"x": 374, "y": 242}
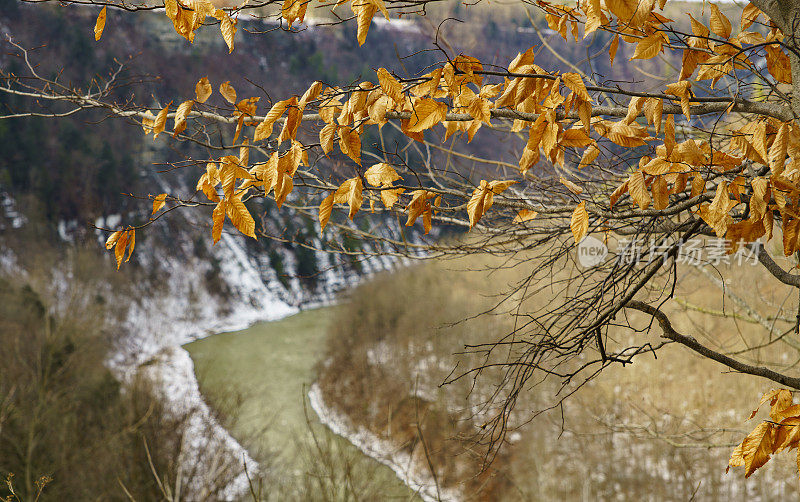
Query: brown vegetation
{"x": 660, "y": 428}
{"x": 66, "y": 423}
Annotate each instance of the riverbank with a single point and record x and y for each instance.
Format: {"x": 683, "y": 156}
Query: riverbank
{"x": 265, "y": 372}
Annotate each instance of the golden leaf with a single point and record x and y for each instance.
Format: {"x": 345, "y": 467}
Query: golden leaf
{"x": 575, "y": 83}
{"x": 377, "y": 110}
{"x": 759, "y": 198}
{"x": 719, "y": 24}
{"x": 148, "y": 121}
{"x": 481, "y": 110}
{"x": 755, "y": 449}
{"x": 778, "y": 64}
{"x": 382, "y": 7}
{"x": 293, "y": 118}
{"x": 350, "y": 143}
{"x": 575, "y": 138}
{"x": 325, "y": 209}
{"x": 119, "y": 249}
{"x": 203, "y": 90}
{"x": 524, "y": 215}
{"x": 777, "y": 152}
{"x": 228, "y": 92}
{"x": 420, "y": 206}
{"x": 683, "y": 90}
{"x": 283, "y": 187}
{"x": 381, "y": 174}
{"x": 113, "y": 238}
{"x": 585, "y": 114}
{"x": 579, "y": 223}
{"x": 594, "y": 16}
{"x": 389, "y": 197}
{"x": 635, "y": 106}
{"x": 161, "y": 121}
{"x": 364, "y": 11}
{"x": 158, "y": 202}
{"x": 749, "y": 14}
{"x": 294, "y": 10}
{"x": 699, "y": 30}
{"x": 759, "y": 141}
{"x": 617, "y": 193}
{"x": 483, "y": 197}
{"x": 787, "y": 433}
{"x": 240, "y": 217}
{"x": 131, "y": 244}
{"x": 669, "y": 134}
{"x": 425, "y": 114}
{"x": 311, "y": 94}
{"x": 171, "y": 9}
{"x": 649, "y": 47}
{"x": 264, "y": 129}
{"x": 698, "y": 185}
{"x": 350, "y": 193}
{"x": 657, "y": 166}
{"x": 660, "y": 193}
{"x": 326, "y": 135}
{"x": 100, "y": 25}
{"x": 429, "y": 85}
{"x": 180, "y": 117}
{"x": 791, "y": 411}
{"x": 589, "y": 156}
{"x": 572, "y": 187}
{"x": 716, "y": 214}
{"x": 612, "y": 50}
{"x": 218, "y": 219}
{"x": 627, "y": 135}
{"x": 228, "y": 28}
{"x": 623, "y": 9}
{"x": 638, "y": 190}
{"x": 390, "y": 85}
{"x": 653, "y": 109}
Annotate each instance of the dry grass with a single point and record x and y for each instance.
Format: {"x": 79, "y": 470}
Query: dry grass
{"x": 659, "y": 429}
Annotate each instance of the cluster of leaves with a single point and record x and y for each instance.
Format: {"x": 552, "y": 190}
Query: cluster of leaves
{"x": 122, "y": 240}
{"x": 188, "y": 16}
{"x": 736, "y": 179}
{"x": 781, "y": 432}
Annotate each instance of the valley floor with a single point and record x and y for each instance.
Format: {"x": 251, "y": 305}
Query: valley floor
{"x": 264, "y": 373}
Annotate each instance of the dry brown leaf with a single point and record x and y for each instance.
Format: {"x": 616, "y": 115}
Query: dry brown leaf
{"x": 100, "y": 24}
{"x": 425, "y": 114}
{"x": 381, "y": 174}
{"x": 719, "y": 24}
{"x": 241, "y": 217}
{"x": 203, "y": 90}
{"x": 390, "y": 85}
{"x": 158, "y": 202}
{"x": 228, "y": 28}
{"x": 579, "y": 223}
{"x": 228, "y": 92}
{"x": 525, "y": 215}
{"x": 638, "y": 190}
{"x": 575, "y": 83}
{"x": 572, "y": 187}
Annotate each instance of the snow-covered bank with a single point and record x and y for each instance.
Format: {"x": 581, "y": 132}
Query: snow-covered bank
{"x": 159, "y": 324}
{"x": 205, "y": 440}
{"x": 381, "y": 450}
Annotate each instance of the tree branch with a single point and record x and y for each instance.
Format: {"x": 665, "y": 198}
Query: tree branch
{"x": 692, "y": 343}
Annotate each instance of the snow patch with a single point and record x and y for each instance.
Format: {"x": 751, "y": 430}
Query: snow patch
{"x": 381, "y": 450}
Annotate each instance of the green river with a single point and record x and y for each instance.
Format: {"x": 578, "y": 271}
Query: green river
{"x": 260, "y": 377}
